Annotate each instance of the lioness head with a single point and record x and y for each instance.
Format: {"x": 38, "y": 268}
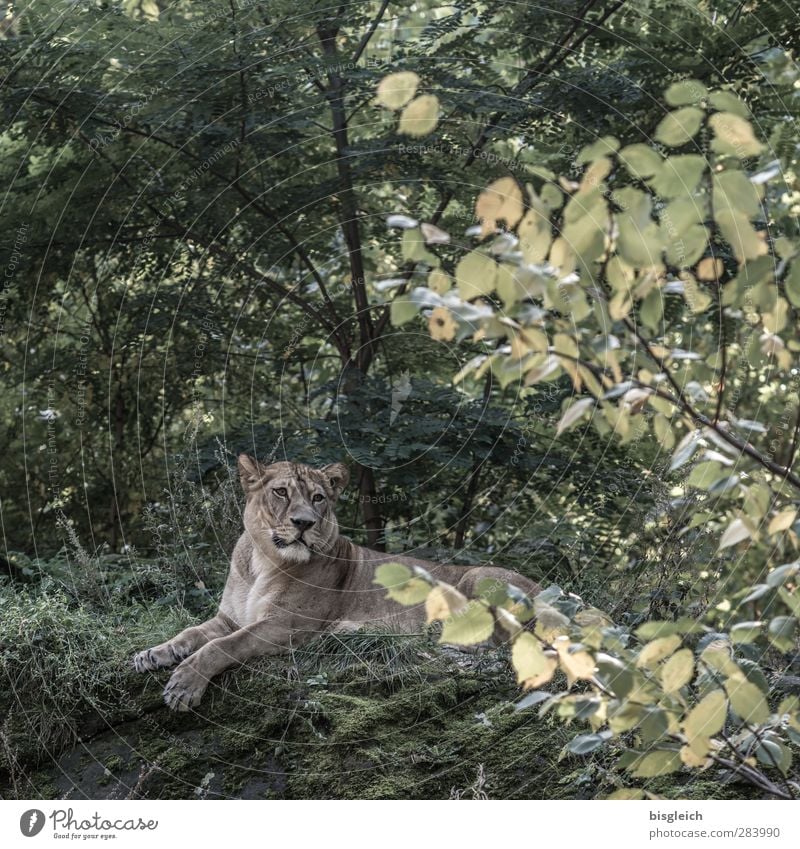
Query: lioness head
{"x": 290, "y": 507}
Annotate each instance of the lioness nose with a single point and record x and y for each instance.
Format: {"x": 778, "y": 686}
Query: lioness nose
{"x": 303, "y": 524}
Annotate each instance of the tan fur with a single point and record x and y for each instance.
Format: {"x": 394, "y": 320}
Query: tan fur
{"x": 282, "y": 591}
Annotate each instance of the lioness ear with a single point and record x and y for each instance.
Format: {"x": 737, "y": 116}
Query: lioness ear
{"x": 338, "y": 476}
{"x": 251, "y": 472}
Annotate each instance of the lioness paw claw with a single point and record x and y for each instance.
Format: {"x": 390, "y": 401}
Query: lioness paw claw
{"x": 159, "y": 657}
{"x": 184, "y": 690}
{"x": 144, "y": 662}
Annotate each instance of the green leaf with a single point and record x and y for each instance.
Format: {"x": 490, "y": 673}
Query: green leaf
{"x": 727, "y": 101}
{"x": 535, "y": 697}
{"x": 602, "y": 147}
{"x": 680, "y": 126}
{"x": 746, "y": 632}
{"x": 614, "y": 675}
{"x": 641, "y": 160}
{"x": 654, "y": 724}
{"x": 734, "y": 192}
{"x": 472, "y": 625}
{"x": 772, "y": 753}
{"x": 707, "y": 717}
{"x": 781, "y": 632}
{"x": 412, "y": 592}
{"x": 678, "y": 671}
{"x": 414, "y": 249}
{"x": 679, "y": 176}
{"x": 402, "y": 310}
{"x": 574, "y": 414}
{"x": 476, "y": 274}
{"x": 703, "y": 475}
{"x": 552, "y": 196}
{"x": 790, "y": 599}
{"x": 657, "y": 650}
{"x": 651, "y": 310}
{"x": 756, "y": 592}
{"x": 639, "y": 241}
{"x": 683, "y": 453}
{"x": 781, "y": 574}
{"x": 392, "y": 574}
{"x": 685, "y": 93}
{"x": 738, "y": 531}
{"x": 684, "y": 251}
{"x": 792, "y": 283}
{"x": 583, "y": 744}
{"x": 747, "y": 700}
{"x": 658, "y": 762}
{"x": 733, "y": 135}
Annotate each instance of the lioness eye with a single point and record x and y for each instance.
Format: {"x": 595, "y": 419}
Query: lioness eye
{"x": 280, "y": 491}
{"x": 318, "y": 497}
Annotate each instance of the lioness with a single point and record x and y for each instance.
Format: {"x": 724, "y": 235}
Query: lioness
{"x": 293, "y": 577}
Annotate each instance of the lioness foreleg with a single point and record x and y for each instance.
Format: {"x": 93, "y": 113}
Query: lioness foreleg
{"x": 189, "y": 681}
{"x": 181, "y": 646}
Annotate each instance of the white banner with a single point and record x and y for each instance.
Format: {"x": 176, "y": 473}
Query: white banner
{"x": 352, "y": 825}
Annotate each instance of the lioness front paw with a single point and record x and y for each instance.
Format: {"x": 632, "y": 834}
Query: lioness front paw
{"x": 158, "y": 657}
{"x": 184, "y": 689}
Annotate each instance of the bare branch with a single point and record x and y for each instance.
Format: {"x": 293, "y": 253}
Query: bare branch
{"x": 362, "y": 45}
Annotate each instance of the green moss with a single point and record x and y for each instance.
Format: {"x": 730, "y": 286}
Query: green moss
{"x": 367, "y": 717}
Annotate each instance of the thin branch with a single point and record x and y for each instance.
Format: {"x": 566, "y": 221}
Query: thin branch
{"x": 349, "y": 206}
{"x": 362, "y": 45}
{"x": 795, "y": 439}
{"x": 234, "y": 184}
{"x": 721, "y": 386}
{"x": 212, "y": 247}
{"x": 700, "y": 418}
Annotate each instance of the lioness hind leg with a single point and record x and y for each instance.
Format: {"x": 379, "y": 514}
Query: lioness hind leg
{"x": 472, "y": 577}
{"x": 181, "y": 646}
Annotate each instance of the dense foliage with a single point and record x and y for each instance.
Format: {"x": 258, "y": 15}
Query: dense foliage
{"x": 532, "y": 270}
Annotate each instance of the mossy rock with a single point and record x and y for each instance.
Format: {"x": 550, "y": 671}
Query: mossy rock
{"x": 366, "y": 716}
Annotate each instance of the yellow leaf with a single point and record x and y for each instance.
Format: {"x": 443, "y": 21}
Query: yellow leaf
{"x": 535, "y": 236}
{"x": 783, "y": 521}
{"x": 657, "y": 650}
{"x": 441, "y": 325}
{"x": 574, "y": 414}
{"x": 420, "y": 116}
{"x": 695, "y": 754}
{"x": 735, "y": 533}
{"x": 443, "y": 601}
{"x": 707, "y": 717}
{"x": 734, "y": 135}
{"x": 439, "y": 281}
{"x": 532, "y": 665}
{"x": 395, "y": 90}
{"x": 657, "y": 762}
{"x": 710, "y": 268}
{"x": 473, "y": 624}
{"x": 500, "y": 200}
{"x": 678, "y": 671}
{"x": 577, "y": 665}
{"x": 627, "y": 793}
{"x": 747, "y": 700}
